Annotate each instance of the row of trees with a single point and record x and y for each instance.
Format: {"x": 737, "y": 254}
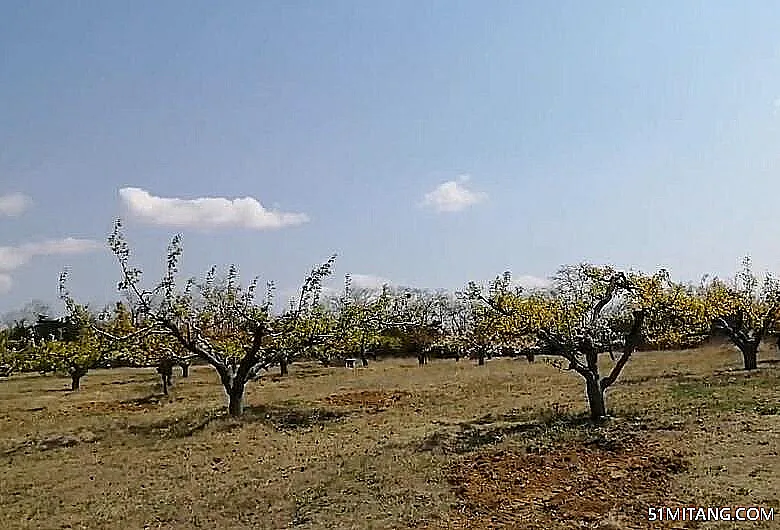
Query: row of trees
{"x": 588, "y": 312}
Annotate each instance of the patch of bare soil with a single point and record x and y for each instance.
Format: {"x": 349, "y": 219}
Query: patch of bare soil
{"x": 574, "y": 485}
{"x": 370, "y": 400}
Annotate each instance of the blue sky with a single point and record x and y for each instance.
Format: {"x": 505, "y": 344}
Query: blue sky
{"x": 427, "y": 143}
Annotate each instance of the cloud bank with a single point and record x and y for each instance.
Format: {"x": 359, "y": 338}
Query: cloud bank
{"x": 14, "y": 204}
{"x": 453, "y": 196}
{"x": 11, "y": 258}
{"x": 206, "y": 212}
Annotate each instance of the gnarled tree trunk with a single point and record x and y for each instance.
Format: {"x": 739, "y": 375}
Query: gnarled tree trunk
{"x": 75, "y": 377}
{"x": 596, "y": 398}
{"x": 481, "y": 358}
{"x": 747, "y": 340}
{"x": 234, "y": 383}
{"x": 750, "y": 356}
{"x": 165, "y": 369}
{"x": 236, "y": 400}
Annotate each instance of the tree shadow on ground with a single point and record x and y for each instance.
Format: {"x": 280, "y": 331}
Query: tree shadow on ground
{"x": 282, "y": 416}
{"x": 467, "y": 436}
{"x": 290, "y": 416}
{"x": 677, "y": 378}
{"x": 152, "y": 399}
{"x": 299, "y": 372}
{"x": 132, "y": 381}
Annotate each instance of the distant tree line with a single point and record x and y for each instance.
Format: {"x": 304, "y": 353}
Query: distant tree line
{"x": 587, "y": 312}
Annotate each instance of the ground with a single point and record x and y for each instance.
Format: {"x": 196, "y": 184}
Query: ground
{"x": 394, "y": 445}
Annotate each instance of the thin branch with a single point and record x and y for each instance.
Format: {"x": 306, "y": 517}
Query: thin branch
{"x": 140, "y": 333}
{"x": 632, "y": 343}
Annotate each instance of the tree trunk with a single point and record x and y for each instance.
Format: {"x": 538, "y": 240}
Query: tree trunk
{"x": 750, "y": 356}
{"x": 283, "y": 366}
{"x": 236, "y": 400}
{"x": 421, "y": 358}
{"x": 165, "y": 369}
{"x": 185, "y": 369}
{"x": 481, "y": 360}
{"x": 364, "y": 361}
{"x": 234, "y": 382}
{"x": 598, "y": 405}
{"x": 76, "y": 373}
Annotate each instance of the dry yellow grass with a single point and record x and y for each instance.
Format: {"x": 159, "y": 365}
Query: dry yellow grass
{"x": 389, "y": 446}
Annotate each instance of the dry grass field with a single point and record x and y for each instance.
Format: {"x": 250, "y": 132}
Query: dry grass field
{"x": 394, "y": 445}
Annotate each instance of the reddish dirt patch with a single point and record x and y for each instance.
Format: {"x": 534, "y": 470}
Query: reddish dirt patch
{"x": 372, "y": 400}
{"x": 574, "y": 486}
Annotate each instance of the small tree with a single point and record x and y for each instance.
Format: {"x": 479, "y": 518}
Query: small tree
{"x": 591, "y": 310}
{"x": 746, "y": 311}
{"x": 85, "y": 340}
{"x": 74, "y": 355}
{"x": 148, "y": 348}
{"x": 11, "y": 351}
{"x": 10, "y": 358}
{"x": 457, "y": 326}
{"x": 75, "y": 358}
{"x": 418, "y": 315}
{"x": 485, "y": 332}
{"x": 162, "y": 352}
{"x": 219, "y": 323}
{"x": 304, "y": 329}
{"x": 358, "y": 318}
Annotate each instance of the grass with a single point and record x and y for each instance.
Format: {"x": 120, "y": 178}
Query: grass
{"x": 394, "y": 445}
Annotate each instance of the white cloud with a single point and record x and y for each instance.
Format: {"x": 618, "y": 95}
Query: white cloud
{"x": 531, "y": 282}
{"x": 206, "y": 212}
{"x": 5, "y": 283}
{"x": 369, "y": 281}
{"x": 14, "y": 204}
{"x": 335, "y": 285}
{"x": 11, "y": 258}
{"x": 453, "y": 196}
